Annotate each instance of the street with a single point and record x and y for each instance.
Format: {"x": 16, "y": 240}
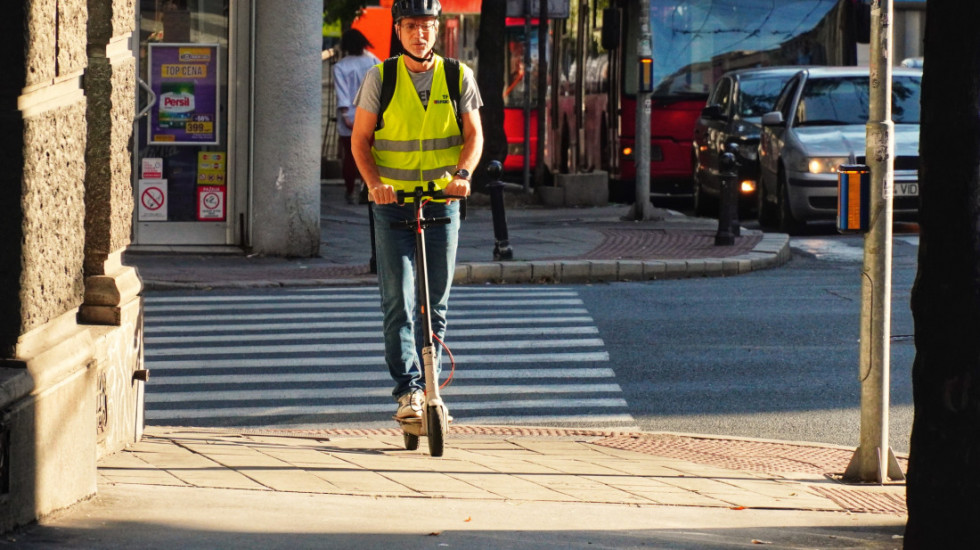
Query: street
{"x": 771, "y": 354}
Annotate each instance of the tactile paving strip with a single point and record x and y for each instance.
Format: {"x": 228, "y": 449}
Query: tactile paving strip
{"x": 659, "y": 244}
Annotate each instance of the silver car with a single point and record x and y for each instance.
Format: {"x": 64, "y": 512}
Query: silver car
{"x": 819, "y": 123}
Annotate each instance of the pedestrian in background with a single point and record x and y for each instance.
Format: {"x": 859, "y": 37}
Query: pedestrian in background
{"x": 348, "y": 73}
{"x": 418, "y": 141}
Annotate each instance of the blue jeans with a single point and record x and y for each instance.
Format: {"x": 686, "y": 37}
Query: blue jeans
{"x": 395, "y": 254}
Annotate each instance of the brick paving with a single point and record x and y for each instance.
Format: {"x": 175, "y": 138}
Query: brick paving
{"x": 667, "y": 244}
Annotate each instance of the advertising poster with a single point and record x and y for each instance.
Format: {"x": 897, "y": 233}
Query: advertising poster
{"x": 184, "y": 78}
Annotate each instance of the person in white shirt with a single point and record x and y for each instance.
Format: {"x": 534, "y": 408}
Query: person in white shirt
{"x": 348, "y": 73}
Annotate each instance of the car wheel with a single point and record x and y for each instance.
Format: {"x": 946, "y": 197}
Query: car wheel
{"x": 787, "y": 222}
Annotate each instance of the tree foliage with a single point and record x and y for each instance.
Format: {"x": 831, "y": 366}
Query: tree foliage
{"x": 343, "y": 10}
{"x": 944, "y": 461}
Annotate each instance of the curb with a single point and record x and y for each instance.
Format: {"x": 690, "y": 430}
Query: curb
{"x": 772, "y": 251}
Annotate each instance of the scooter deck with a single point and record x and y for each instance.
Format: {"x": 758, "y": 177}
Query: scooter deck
{"x": 415, "y": 426}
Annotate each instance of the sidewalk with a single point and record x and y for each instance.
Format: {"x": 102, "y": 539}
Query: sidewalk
{"x": 552, "y": 245}
{"x": 496, "y": 486}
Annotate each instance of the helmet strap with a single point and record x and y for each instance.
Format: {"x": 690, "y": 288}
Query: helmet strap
{"x": 426, "y": 59}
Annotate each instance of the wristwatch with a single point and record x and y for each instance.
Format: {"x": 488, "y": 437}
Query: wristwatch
{"x": 463, "y": 173}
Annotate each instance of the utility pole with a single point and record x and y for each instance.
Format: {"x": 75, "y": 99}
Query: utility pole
{"x": 542, "y": 90}
{"x": 526, "y": 80}
{"x": 642, "y": 208}
{"x": 873, "y": 461}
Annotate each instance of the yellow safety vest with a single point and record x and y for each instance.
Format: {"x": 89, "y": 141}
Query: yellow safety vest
{"x": 418, "y": 145}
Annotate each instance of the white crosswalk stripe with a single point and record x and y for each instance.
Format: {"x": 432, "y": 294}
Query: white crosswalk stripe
{"x": 314, "y": 358}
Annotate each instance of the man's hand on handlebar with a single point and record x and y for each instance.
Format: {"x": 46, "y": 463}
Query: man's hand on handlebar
{"x": 383, "y": 194}
{"x": 458, "y": 187}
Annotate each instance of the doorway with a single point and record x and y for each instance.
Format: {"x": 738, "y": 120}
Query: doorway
{"x": 190, "y": 144}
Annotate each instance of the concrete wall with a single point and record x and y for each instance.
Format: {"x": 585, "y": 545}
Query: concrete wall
{"x": 286, "y": 156}
{"x": 71, "y": 319}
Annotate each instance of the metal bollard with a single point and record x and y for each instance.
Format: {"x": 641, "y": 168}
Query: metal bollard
{"x": 501, "y": 247}
{"x": 728, "y": 226}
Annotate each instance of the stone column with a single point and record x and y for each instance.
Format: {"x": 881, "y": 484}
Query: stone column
{"x": 47, "y": 406}
{"x": 69, "y": 390}
{"x": 112, "y": 290}
{"x": 286, "y": 155}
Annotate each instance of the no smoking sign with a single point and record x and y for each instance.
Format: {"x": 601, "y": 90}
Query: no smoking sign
{"x": 152, "y": 200}
{"x": 210, "y": 203}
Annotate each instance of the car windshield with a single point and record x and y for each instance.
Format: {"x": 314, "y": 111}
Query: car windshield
{"x": 844, "y": 100}
{"x": 756, "y": 96}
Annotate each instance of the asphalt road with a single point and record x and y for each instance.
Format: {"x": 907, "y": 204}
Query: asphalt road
{"x": 771, "y": 354}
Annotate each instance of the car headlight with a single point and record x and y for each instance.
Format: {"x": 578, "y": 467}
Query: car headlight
{"x": 825, "y": 165}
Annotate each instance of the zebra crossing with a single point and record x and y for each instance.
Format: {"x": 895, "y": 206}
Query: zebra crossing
{"x": 313, "y": 358}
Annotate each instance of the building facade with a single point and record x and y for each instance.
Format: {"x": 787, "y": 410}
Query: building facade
{"x": 81, "y": 116}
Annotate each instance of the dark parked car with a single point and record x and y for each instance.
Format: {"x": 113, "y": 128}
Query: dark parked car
{"x": 733, "y": 114}
{"x": 820, "y": 122}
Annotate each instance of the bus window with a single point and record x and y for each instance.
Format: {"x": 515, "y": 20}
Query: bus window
{"x": 516, "y": 75}
{"x": 695, "y": 42}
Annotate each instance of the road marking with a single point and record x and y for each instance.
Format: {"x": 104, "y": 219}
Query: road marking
{"x": 159, "y": 396}
{"x": 251, "y": 358}
{"x": 155, "y": 319}
{"x": 369, "y": 293}
{"x": 367, "y": 346}
{"x": 160, "y": 381}
{"x": 363, "y": 335}
{"x": 237, "y": 309}
{"x": 295, "y": 410}
{"x": 375, "y": 360}
{"x": 340, "y": 325}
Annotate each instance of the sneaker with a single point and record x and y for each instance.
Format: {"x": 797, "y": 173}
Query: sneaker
{"x": 410, "y": 405}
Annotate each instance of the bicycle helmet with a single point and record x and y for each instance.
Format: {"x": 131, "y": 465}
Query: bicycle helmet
{"x": 415, "y": 8}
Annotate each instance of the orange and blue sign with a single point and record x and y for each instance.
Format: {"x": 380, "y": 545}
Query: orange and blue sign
{"x": 853, "y": 198}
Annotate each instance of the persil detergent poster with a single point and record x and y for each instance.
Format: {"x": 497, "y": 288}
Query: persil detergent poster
{"x": 184, "y": 78}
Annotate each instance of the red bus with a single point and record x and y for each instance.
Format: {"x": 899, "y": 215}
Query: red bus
{"x": 592, "y": 65}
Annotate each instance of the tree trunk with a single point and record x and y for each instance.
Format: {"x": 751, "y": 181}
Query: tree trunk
{"x": 943, "y": 486}
{"x": 490, "y": 77}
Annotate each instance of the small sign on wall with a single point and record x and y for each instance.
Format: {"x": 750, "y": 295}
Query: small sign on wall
{"x": 210, "y": 203}
{"x": 211, "y": 168}
{"x": 152, "y": 200}
{"x": 152, "y": 168}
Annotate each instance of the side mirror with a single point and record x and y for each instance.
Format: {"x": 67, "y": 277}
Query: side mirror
{"x": 774, "y": 118}
{"x": 713, "y": 112}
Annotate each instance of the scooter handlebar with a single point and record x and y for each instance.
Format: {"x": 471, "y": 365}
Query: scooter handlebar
{"x": 422, "y": 193}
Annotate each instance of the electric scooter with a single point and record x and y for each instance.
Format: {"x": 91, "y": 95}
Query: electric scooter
{"x": 434, "y": 423}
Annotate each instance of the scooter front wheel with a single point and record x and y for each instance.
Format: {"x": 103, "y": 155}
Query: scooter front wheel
{"x": 436, "y": 425}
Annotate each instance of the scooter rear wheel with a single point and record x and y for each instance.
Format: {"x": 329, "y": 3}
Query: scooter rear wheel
{"x": 436, "y": 426}
{"x": 411, "y": 441}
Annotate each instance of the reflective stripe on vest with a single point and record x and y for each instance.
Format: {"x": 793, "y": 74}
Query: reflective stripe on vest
{"x": 409, "y": 154}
